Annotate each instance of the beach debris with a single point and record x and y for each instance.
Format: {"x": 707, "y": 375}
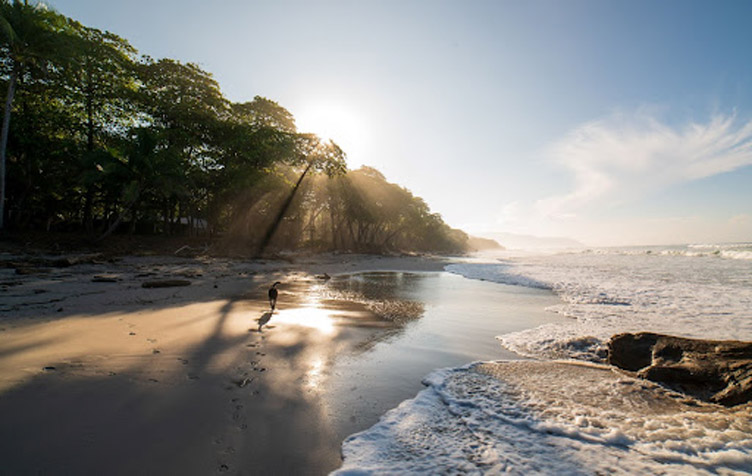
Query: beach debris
{"x": 190, "y": 273}
{"x": 105, "y": 278}
{"x": 324, "y": 276}
{"x": 243, "y": 382}
{"x": 60, "y": 309}
{"x": 165, "y": 283}
{"x": 156, "y": 351}
{"x": 714, "y": 371}
{"x": 31, "y": 270}
{"x": 187, "y": 250}
{"x": 49, "y": 368}
{"x": 67, "y": 261}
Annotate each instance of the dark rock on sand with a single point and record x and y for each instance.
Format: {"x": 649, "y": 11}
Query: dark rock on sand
{"x": 716, "y": 371}
{"x": 31, "y": 270}
{"x": 165, "y": 283}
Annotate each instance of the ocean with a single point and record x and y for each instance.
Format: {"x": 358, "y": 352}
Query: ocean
{"x": 564, "y": 411}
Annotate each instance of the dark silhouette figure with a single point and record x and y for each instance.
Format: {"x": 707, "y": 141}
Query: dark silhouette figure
{"x": 273, "y": 293}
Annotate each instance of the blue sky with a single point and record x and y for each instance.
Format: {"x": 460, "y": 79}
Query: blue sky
{"x": 612, "y": 122}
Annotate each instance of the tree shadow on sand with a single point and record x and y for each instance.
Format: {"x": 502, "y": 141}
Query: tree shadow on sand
{"x": 234, "y": 401}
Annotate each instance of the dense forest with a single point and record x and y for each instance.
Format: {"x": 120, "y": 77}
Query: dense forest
{"x": 99, "y": 140}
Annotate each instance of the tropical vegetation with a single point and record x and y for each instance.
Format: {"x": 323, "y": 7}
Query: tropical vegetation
{"x": 97, "y": 139}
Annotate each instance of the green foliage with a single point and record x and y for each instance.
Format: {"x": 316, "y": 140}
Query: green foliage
{"x": 105, "y": 141}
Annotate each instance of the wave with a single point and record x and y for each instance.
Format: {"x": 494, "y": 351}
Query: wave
{"x": 529, "y": 417}
{"x": 740, "y": 251}
{"x": 495, "y": 272}
{"x": 607, "y": 293}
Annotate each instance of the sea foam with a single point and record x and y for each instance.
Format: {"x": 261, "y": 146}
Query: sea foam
{"x": 530, "y": 417}
{"x": 605, "y": 292}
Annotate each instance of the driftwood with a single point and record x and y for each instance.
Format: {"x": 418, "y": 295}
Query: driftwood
{"x": 715, "y": 371}
{"x": 165, "y": 283}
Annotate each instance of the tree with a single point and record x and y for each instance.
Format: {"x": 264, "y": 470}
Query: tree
{"x": 30, "y": 34}
{"x": 313, "y": 154}
{"x": 263, "y": 112}
{"x": 100, "y": 82}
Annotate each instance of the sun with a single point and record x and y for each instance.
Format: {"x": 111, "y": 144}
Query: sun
{"x": 333, "y": 121}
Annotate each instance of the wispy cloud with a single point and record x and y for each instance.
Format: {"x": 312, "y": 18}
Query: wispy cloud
{"x": 622, "y": 158}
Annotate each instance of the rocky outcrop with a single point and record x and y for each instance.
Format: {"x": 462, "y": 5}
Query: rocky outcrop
{"x": 715, "y": 371}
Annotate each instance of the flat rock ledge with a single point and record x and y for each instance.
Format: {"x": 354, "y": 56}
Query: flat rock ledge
{"x": 711, "y": 370}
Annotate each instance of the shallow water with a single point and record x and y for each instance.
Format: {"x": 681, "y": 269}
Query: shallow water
{"x": 457, "y": 325}
{"x": 550, "y": 417}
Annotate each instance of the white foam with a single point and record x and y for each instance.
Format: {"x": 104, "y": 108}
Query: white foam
{"x": 609, "y": 291}
{"x": 549, "y": 418}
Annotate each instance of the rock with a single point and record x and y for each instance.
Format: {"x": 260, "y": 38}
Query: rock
{"x": 165, "y": 283}
{"x": 66, "y": 261}
{"x": 716, "y": 371}
{"x": 32, "y": 270}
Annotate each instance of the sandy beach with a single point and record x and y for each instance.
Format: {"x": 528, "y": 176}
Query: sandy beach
{"x": 366, "y": 356}
{"x": 99, "y": 375}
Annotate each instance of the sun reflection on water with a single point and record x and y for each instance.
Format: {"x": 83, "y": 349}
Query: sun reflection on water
{"x": 310, "y": 315}
{"x": 315, "y": 374}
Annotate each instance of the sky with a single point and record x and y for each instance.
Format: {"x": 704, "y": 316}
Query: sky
{"x": 610, "y": 122}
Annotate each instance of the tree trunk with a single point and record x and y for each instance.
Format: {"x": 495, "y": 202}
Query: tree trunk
{"x": 4, "y": 140}
{"x": 278, "y": 219}
{"x": 128, "y": 207}
{"x": 88, "y": 218}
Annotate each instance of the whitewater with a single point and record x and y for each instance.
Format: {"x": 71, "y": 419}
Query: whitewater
{"x": 565, "y": 411}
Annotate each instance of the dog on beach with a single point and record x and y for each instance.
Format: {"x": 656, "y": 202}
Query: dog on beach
{"x": 273, "y": 293}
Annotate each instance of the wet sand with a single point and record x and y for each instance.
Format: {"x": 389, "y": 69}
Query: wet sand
{"x": 111, "y": 378}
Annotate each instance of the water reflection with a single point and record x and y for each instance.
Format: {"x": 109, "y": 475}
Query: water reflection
{"x": 389, "y": 295}
{"x": 315, "y": 318}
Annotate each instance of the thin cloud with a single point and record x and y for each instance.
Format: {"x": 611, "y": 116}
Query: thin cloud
{"x": 620, "y": 159}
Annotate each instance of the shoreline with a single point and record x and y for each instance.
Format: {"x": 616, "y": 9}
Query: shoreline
{"x": 105, "y": 376}
{"x": 109, "y": 377}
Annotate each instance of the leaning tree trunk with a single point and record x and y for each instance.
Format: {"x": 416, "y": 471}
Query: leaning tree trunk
{"x": 278, "y": 219}
{"x": 4, "y": 141}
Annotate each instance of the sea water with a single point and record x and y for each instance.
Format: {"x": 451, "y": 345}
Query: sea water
{"x": 548, "y": 417}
